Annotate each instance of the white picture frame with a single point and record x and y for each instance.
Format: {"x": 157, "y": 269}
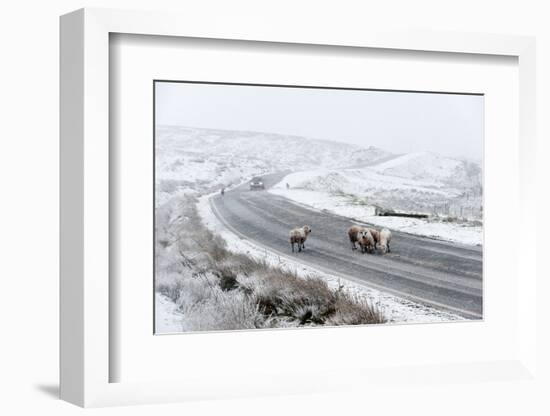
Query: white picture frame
{"x": 85, "y": 265}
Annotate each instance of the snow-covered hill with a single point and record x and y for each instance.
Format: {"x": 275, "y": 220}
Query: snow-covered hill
{"x": 418, "y": 182}
{"x": 428, "y": 166}
{"x": 202, "y": 160}
{"x": 448, "y": 190}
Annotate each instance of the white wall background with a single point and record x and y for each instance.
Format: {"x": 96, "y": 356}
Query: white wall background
{"x": 29, "y": 209}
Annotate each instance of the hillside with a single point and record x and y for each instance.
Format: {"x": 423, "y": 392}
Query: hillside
{"x": 447, "y": 189}
{"x": 203, "y": 160}
{"x": 428, "y": 166}
{"x": 418, "y": 182}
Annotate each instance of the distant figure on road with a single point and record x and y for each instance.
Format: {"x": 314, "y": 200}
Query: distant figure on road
{"x": 223, "y": 191}
{"x": 287, "y": 186}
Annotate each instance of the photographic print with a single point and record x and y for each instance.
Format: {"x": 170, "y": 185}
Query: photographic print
{"x": 295, "y": 207}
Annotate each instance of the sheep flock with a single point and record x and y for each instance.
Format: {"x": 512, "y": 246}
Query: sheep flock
{"x": 369, "y": 240}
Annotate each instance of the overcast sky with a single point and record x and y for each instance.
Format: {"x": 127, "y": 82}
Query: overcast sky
{"x": 448, "y": 124}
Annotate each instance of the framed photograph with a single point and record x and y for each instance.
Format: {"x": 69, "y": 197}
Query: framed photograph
{"x": 246, "y": 175}
{"x": 228, "y": 195}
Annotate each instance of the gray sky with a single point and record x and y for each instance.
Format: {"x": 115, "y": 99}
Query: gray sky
{"x": 451, "y": 125}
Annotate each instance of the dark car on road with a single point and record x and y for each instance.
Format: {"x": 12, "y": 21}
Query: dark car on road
{"x": 256, "y": 183}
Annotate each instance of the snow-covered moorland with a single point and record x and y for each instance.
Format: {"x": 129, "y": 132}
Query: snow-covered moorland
{"x": 194, "y": 160}
{"x": 195, "y": 288}
{"x": 448, "y": 190}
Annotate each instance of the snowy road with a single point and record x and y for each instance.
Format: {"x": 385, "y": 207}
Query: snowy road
{"x": 441, "y": 274}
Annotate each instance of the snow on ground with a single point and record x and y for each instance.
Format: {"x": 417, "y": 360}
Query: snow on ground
{"x": 420, "y": 182}
{"x": 448, "y": 231}
{"x": 429, "y": 166}
{"x": 204, "y": 160}
{"x": 201, "y": 161}
{"x": 168, "y": 318}
{"x": 341, "y": 205}
{"x": 397, "y": 310}
{"x": 444, "y": 188}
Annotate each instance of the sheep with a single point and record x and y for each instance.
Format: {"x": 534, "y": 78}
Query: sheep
{"x": 353, "y": 234}
{"x": 361, "y": 236}
{"x": 366, "y": 241}
{"x": 384, "y": 241}
{"x": 375, "y": 235}
{"x": 299, "y": 236}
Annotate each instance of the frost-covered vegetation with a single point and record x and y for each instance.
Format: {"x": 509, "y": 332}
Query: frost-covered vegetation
{"x": 215, "y": 289}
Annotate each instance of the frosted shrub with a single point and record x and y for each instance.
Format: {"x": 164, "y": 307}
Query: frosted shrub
{"x": 224, "y": 312}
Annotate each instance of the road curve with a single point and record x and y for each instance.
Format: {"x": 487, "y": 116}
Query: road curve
{"x": 444, "y": 275}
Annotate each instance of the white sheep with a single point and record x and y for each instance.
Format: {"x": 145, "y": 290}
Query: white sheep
{"x": 384, "y": 241}
{"x": 353, "y": 234}
{"x": 361, "y": 236}
{"x": 299, "y": 236}
{"x": 375, "y": 235}
{"x": 366, "y": 241}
